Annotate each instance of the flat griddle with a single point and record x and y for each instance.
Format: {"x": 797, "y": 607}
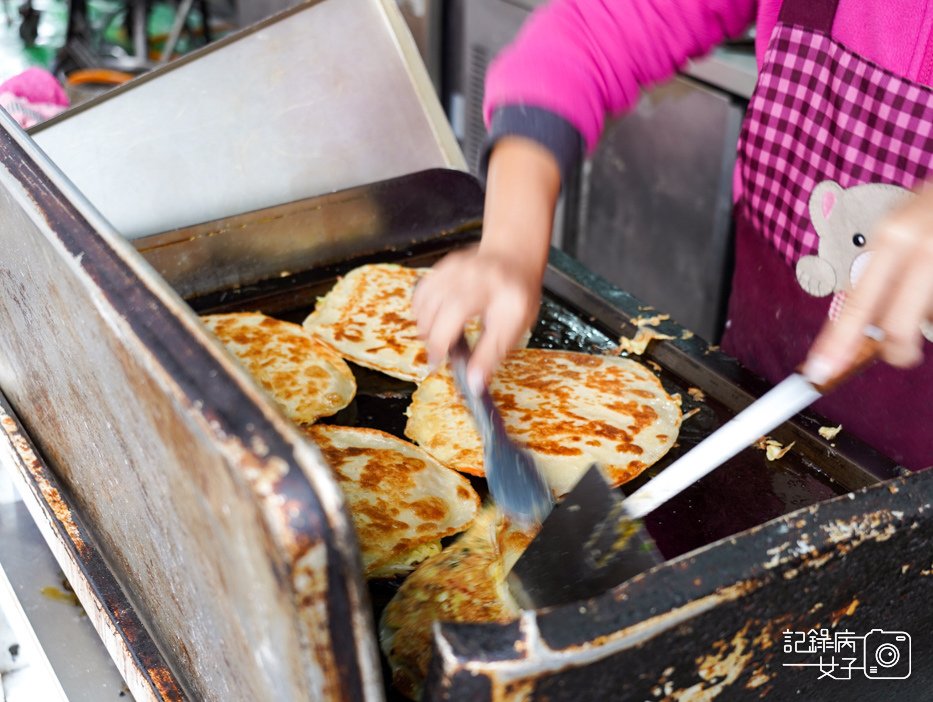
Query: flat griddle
{"x": 579, "y": 312}
{"x": 184, "y": 507}
{"x": 582, "y": 312}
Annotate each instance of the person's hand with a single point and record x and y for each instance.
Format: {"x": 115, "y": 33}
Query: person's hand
{"x": 499, "y": 281}
{"x": 895, "y": 293}
{"x": 503, "y": 292}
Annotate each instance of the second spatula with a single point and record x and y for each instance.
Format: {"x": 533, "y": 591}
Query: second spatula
{"x": 514, "y": 480}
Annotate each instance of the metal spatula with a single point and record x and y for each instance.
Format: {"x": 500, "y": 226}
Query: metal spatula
{"x": 594, "y": 540}
{"x": 513, "y": 478}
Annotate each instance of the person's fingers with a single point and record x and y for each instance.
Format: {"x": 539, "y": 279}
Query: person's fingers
{"x": 426, "y": 289}
{"x": 418, "y": 297}
{"x": 906, "y": 311}
{"x": 838, "y": 342}
{"x": 426, "y": 303}
{"x": 449, "y": 323}
{"x": 434, "y": 291}
{"x": 504, "y": 322}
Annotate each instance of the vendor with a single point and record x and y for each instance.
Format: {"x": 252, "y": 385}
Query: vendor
{"x": 834, "y": 225}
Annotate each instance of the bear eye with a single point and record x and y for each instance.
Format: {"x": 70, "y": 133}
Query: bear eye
{"x": 859, "y": 240}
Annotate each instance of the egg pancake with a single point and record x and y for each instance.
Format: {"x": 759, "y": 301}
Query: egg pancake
{"x": 463, "y": 583}
{"x": 401, "y": 500}
{"x": 367, "y": 318}
{"x": 569, "y": 409}
{"x": 306, "y": 378}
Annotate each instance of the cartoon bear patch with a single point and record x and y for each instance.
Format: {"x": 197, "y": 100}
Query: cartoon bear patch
{"x": 844, "y": 219}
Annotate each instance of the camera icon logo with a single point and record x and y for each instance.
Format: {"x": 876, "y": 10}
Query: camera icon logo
{"x": 887, "y": 655}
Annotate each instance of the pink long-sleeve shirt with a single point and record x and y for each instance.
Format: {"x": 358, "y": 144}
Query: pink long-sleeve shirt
{"x": 584, "y": 59}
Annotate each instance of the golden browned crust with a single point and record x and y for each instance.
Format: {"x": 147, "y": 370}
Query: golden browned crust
{"x": 463, "y": 583}
{"x": 402, "y": 501}
{"x": 367, "y": 318}
{"x": 569, "y": 409}
{"x": 307, "y": 378}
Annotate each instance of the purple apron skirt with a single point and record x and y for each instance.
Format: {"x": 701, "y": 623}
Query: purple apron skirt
{"x": 830, "y": 142}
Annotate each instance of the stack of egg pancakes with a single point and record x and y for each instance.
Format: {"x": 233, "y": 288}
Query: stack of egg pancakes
{"x": 402, "y": 501}
{"x": 568, "y": 409}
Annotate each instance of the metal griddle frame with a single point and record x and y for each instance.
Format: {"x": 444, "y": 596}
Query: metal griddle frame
{"x": 733, "y": 595}
{"x": 415, "y": 220}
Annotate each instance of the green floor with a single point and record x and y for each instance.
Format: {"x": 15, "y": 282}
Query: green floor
{"x": 15, "y": 56}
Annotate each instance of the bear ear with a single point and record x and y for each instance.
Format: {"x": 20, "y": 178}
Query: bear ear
{"x": 828, "y": 202}
{"x": 823, "y": 201}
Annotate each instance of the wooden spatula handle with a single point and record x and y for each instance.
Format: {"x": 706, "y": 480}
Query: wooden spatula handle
{"x": 867, "y": 353}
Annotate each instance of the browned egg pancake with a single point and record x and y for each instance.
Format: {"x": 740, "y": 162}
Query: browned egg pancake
{"x": 569, "y": 409}
{"x": 308, "y": 379}
{"x": 367, "y": 318}
{"x": 463, "y": 583}
{"x": 402, "y": 501}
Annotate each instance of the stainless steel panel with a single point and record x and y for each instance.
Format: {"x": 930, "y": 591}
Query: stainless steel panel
{"x": 656, "y": 203}
{"x": 251, "y": 11}
{"x": 221, "y": 522}
{"x": 477, "y": 31}
{"x": 733, "y": 69}
{"x": 650, "y": 209}
{"x": 62, "y": 651}
{"x": 326, "y": 96}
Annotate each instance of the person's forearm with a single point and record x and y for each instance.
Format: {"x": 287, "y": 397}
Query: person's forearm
{"x": 500, "y": 280}
{"x": 522, "y": 187}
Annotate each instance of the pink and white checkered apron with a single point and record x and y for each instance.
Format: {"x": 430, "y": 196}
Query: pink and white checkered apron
{"x": 821, "y": 112}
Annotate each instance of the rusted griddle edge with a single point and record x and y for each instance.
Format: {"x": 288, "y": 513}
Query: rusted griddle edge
{"x": 849, "y": 461}
{"x": 228, "y": 407}
{"x": 135, "y": 654}
{"x": 402, "y": 213}
{"x": 726, "y": 580}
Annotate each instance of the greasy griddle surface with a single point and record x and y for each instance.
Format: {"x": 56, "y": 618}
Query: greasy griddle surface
{"x": 746, "y": 491}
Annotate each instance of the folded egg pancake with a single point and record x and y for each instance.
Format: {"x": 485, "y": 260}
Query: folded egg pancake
{"x": 367, "y": 318}
{"x": 464, "y": 583}
{"x": 569, "y": 409}
{"x": 402, "y": 501}
{"x": 306, "y": 378}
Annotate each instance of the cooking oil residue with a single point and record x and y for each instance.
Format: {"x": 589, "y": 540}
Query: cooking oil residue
{"x": 625, "y": 529}
{"x": 559, "y": 328}
{"x": 614, "y": 535}
{"x": 53, "y": 593}
{"x": 64, "y": 594}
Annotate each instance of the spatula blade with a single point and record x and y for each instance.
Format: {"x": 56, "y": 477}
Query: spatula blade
{"x": 516, "y": 484}
{"x": 586, "y": 546}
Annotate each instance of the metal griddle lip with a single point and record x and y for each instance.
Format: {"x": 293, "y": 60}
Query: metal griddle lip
{"x": 248, "y": 254}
